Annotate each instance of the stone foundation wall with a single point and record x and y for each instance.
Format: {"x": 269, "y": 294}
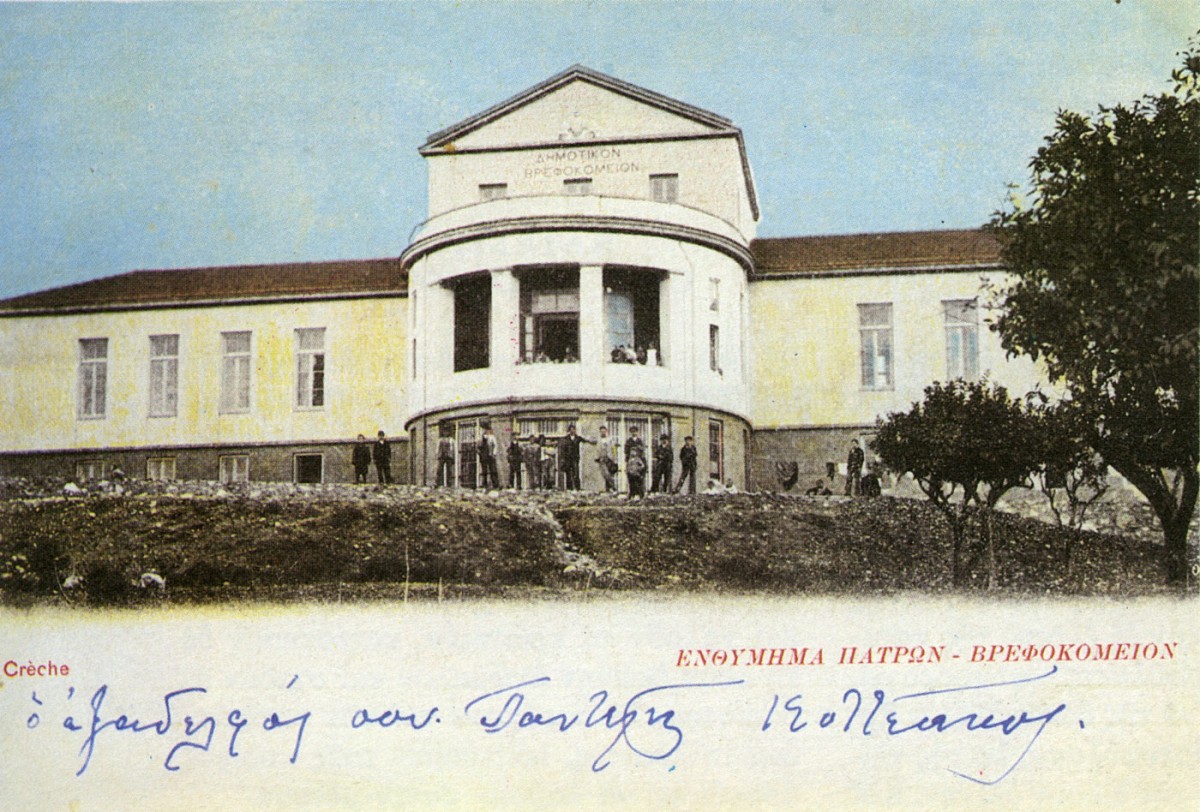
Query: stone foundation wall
{"x": 814, "y": 450}
{"x": 267, "y": 463}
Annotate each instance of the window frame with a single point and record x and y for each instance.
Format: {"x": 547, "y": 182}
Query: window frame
{"x": 310, "y": 365}
{"x": 664, "y": 187}
{"x": 92, "y": 380}
{"x": 492, "y": 191}
{"x": 967, "y": 331}
{"x": 714, "y": 348}
{"x": 308, "y": 456}
{"x": 163, "y": 400}
{"x": 870, "y": 335}
{"x": 716, "y": 449}
{"x": 104, "y": 468}
{"x": 226, "y": 398}
{"x": 228, "y": 465}
{"x": 161, "y": 463}
{"x": 577, "y": 187}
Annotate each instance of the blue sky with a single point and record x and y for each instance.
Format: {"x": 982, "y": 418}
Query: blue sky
{"x": 171, "y": 135}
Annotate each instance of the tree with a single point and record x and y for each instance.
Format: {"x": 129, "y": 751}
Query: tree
{"x": 958, "y": 444}
{"x": 1102, "y": 257}
{"x": 1068, "y": 465}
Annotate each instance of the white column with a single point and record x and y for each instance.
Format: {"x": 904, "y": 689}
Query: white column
{"x": 505, "y": 321}
{"x": 592, "y": 352}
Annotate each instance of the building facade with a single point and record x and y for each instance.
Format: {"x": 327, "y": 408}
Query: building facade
{"x": 589, "y": 259}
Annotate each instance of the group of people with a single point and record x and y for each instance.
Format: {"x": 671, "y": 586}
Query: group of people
{"x": 540, "y": 463}
{"x": 622, "y": 354}
{"x": 637, "y": 465}
{"x": 857, "y": 483}
{"x": 366, "y": 452}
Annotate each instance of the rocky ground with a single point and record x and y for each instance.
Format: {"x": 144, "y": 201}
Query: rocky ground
{"x": 132, "y": 541}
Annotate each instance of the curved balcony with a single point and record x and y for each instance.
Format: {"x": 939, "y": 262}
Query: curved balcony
{"x": 551, "y": 213}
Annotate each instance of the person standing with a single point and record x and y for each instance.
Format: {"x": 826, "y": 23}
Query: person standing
{"x": 854, "y": 464}
{"x": 445, "y": 459}
{"x": 545, "y": 463}
{"x": 533, "y": 462}
{"x": 635, "y": 464}
{"x": 360, "y": 458}
{"x": 489, "y": 477}
{"x": 687, "y": 465}
{"x": 515, "y": 458}
{"x": 606, "y": 459}
{"x": 381, "y": 453}
{"x": 663, "y": 462}
{"x": 568, "y": 457}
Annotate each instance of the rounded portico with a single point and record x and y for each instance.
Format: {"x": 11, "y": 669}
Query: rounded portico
{"x": 555, "y": 286}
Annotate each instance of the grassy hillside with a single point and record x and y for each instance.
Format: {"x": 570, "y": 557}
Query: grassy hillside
{"x": 285, "y": 542}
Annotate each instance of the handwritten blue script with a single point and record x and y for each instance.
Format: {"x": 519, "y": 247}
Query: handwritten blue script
{"x": 649, "y": 723}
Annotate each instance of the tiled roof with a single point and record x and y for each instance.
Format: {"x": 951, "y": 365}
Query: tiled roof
{"x": 777, "y": 256}
{"x": 900, "y": 250}
{"x": 298, "y": 280}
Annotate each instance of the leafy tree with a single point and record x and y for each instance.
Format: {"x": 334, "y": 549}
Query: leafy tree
{"x": 1068, "y": 465}
{"x": 959, "y": 445}
{"x": 1104, "y": 290}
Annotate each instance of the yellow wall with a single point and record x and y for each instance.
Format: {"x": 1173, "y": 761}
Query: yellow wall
{"x": 366, "y": 371}
{"x": 805, "y": 347}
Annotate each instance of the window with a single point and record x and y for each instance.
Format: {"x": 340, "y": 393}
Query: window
{"x": 578, "y": 186}
{"x": 235, "y": 372}
{"x": 164, "y": 375}
{"x": 875, "y": 333}
{"x": 309, "y": 468}
{"x": 550, "y": 315}
{"x": 714, "y": 294}
{"x": 631, "y": 316}
{"x": 160, "y": 468}
{"x": 962, "y": 338}
{"x": 714, "y": 348}
{"x": 91, "y": 469}
{"x": 466, "y": 440}
{"x": 472, "y": 322}
{"x": 664, "y": 188}
{"x": 493, "y": 191}
{"x": 310, "y": 368}
{"x": 716, "y": 450}
{"x": 234, "y": 467}
{"x": 93, "y": 377}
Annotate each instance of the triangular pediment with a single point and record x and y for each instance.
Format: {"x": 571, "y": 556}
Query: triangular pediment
{"x": 574, "y": 107}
